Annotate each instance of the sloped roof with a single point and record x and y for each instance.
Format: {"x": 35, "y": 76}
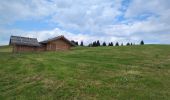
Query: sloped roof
{"x": 17, "y": 40}
{"x": 57, "y": 38}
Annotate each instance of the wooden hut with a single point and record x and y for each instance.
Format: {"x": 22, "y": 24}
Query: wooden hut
{"x": 57, "y": 43}
{"x": 21, "y": 44}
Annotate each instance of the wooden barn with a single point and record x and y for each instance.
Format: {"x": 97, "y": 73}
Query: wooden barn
{"x": 57, "y": 43}
{"x": 24, "y": 44}
{"x": 21, "y": 44}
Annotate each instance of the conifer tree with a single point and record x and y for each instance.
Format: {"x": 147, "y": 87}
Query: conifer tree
{"x": 90, "y": 45}
{"x": 142, "y": 42}
{"x": 94, "y": 44}
{"x": 122, "y": 44}
{"x": 111, "y": 43}
{"x": 104, "y": 43}
{"x": 128, "y": 44}
{"x": 98, "y": 43}
{"x": 77, "y": 43}
{"x": 117, "y": 44}
{"x": 74, "y": 42}
{"x": 81, "y": 43}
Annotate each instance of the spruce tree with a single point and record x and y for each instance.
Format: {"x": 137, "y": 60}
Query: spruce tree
{"x": 94, "y": 44}
{"x": 104, "y": 43}
{"x": 142, "y": 42}
{"x": 111, "y": 44}
{"x": 128, "y": 44}
{"x": 81, "y": 43}
{"x": 122, "y": 44}
{"x": 98, "y": 43}
{"x": 117, "y": 44}
{"x": 77, "y": 43}
{"x": 74, "y": 42}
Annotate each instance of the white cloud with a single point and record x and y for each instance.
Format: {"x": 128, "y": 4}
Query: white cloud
{"x": 90, "y": 20}
{"x": 86, "y": 15}
{"x": 138, "y": 7}
{"x": 12, "y": 10}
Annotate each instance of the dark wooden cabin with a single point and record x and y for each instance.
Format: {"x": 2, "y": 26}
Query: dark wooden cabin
{"x": 21, "y": 44}
{"x": 57, "y": 43}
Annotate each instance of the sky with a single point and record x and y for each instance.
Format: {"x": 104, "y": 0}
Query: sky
{"x": 87, "y": 20}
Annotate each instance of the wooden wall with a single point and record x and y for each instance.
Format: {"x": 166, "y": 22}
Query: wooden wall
{"x": 21, "y": 48}
{"x": 58, "y": 45}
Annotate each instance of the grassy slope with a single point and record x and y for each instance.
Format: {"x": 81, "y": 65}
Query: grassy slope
{"x": 136, "y": 72}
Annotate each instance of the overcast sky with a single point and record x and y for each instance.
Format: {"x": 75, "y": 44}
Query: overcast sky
{"x": 87, "y": 20}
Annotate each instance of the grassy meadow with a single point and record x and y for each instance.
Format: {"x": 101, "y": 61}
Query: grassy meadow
{"x": 87, "y": 73}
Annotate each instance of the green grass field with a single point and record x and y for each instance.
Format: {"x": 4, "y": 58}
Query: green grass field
{"x": 84, "y": 73}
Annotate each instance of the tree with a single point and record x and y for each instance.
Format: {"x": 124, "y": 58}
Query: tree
{"x": 122, "y": 44}
{"x": 131, "y": 44}
{"x": 90, "y": 45}
{"x": 94, "y": 44}
{"x": 104, "y": 43}
{"x": 77, "y": 43}
{"x": 128, "y": 44}
{"x": 117, "y": 44}
{"x": 81, "y": 43}
{"x": 98, "y": 43}
{"x": 74, "y": 42}
{"x": 142, "y": 42}
{"x": 111, "y": 43}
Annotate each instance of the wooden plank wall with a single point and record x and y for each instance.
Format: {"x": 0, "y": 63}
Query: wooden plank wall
{"x": 58, "y": 45}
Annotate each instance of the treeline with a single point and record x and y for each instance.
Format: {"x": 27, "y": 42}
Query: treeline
{"x": 98, "y": 43}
